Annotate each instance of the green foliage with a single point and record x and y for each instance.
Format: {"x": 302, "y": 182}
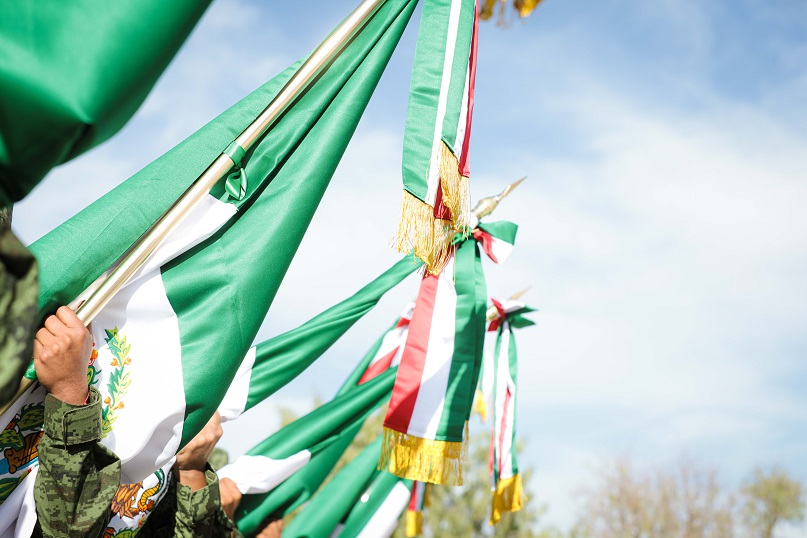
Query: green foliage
{"x": 770, "y": 498}
{"x": 119, "y": 380}
{"x": 31, "y": 417}
{"x": 11, "y": 439}
{"x": 7, "y": 485}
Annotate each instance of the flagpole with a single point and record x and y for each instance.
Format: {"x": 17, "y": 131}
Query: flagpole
{"x": 493, "y": 312}
{"x": 144, "y": 247}
{"x": 137, "y": 255}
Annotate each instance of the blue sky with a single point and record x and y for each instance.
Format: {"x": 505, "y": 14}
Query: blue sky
{"x": 663, "y": 228}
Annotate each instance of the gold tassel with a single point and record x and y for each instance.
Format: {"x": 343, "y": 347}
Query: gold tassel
{"x": 508, "y": 497}
{"x": 414, "y": 523}
{"x": 424, "y": 236}
{"x": 481, "y": 406}
{"x": 456, "y": 192}
{"x": 525, "y": 7}
{"x": 486, "y": 11}
{"x": 424, "y": 460}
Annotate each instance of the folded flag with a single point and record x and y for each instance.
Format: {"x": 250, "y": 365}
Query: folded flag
{"x": 436, "y": 202}
{"x": 188, "y": 317}
{"x": 505, "y": 479}
{"x": 331, "y": 505}
{"x": 64, "y": 92}
{"x": 390, "y": 347}
{"x": 276, "y": 458}
{"x": 301, "y": 484}
{"x": 272, "y": 364}
{"x": 379, "y": 509}
{"x": 433, "y": 394}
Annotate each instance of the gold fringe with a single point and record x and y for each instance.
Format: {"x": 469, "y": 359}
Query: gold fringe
{"x": 481, "y": 406}
{"x": 525, "y": 7}
{"x": 429, "y": 238}
{"x": 456, "y": 192}
{"x": 414, "y": 523}
{"x": 508, "y": 497}
{"x": 421, "y": 234}
{"x": 425, "y": 460}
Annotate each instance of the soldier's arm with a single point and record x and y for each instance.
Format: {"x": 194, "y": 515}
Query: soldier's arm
{"x": 199, "y": 511}
{"x": 77, "y": 476}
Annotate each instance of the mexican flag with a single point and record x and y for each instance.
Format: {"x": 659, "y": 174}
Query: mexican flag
{"x": 331, "y": 505}
{"x": 418, "y": 501}
{"x": 379, "y": 510}
{"x": 170, "y": 342}
{"x": 302, "y": 484}
{"x": 436, "y": 202}
{"x": 505, "y": 479}
{"x": 272, "y": 364}
{"x": 433, "y": 395}
{"x": 73, "y": 73}
{"x": 280, "y": 455}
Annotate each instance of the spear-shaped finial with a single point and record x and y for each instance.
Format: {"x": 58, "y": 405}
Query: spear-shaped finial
{"x": 493, "y": 313}
{"x": 485, "y": 206}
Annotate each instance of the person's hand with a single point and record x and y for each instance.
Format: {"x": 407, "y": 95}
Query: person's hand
{"x": 192, "y": 460}
{"x": 272, "y": 530}
{"x": 230, "y": 496}
{"x": 61, "y": 353}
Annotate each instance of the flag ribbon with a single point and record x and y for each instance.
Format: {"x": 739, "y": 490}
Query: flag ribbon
{"x": 436, "y": 202}
{"x": 424, "y": 430}
{"x": 506, "y": 483}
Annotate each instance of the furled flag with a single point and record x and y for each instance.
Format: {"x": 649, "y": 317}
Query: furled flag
{"x": 388, "y": 352}
{"x": 277, "y": 457}
{"x": 436, "y": 202}
{"x": 73, "y": 73}
{"x": 331, "y": 505}
{"x": 379, "y": 510}
{"x": 171, "y": 341}
{"x": 272, "y": 364}
{"x": 432, "y": 399}
{"x": 256, "y": 508}
{"x": 505, "y": 478}
{"x": 418, "y": 501}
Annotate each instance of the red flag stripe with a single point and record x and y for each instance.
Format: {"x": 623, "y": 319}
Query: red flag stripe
{"x": 410, "y": 371}
{"x": 464, "y": 164}
{"x": 378, "y": 367}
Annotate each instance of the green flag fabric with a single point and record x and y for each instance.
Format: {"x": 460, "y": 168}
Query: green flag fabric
{"x": 254, "y": 509}
{"x": 170, "y": 342}
{"x": 73, "y": 73}
{"x": 332, "y": 503}
{"x": 379, "y": 509}
{"x": 272, "y": 364}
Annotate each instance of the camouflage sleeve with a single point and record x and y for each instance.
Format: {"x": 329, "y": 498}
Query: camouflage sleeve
{"x": 78, "y": 476}
{"x": 199, "y": 513}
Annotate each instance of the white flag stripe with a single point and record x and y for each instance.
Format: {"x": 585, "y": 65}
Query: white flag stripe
{"x": 501, "y": 249}
{"x": 430, "y": 400}
{"x": 385, "y": 519}
{"x": 235, "y": 401}
{"x": 442, "y": 101}
{"x": 19, "y": 503}
{"x": 259, "y": 474}
{"x": 501, "y": 394}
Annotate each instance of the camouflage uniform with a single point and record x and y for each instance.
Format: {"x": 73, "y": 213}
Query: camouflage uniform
{"x": 78, "y": 478}
{"x": 19, "y": 292}
{"x": 187, "y": 514}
